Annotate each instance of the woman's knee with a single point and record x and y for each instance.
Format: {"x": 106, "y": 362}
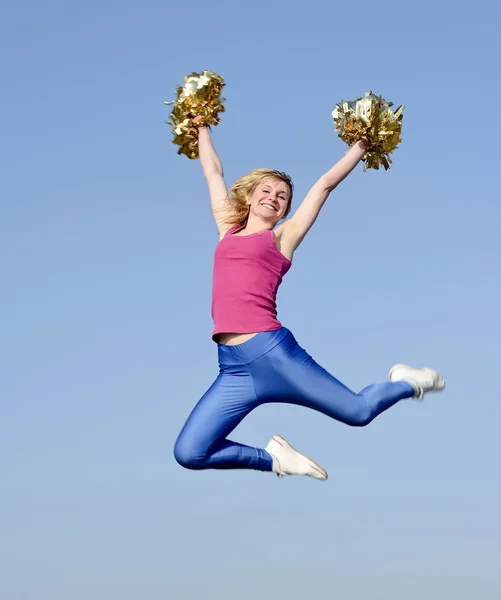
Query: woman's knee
{"x": 361, "y": 414}
{"x": 187, "y": 454}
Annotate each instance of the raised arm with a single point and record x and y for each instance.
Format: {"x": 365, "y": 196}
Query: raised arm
{"x": 293, "y": 231}
{"x": 213, "y": 172}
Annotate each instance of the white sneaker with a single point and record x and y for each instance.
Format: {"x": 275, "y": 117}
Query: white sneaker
{"x": 292, "y": 462}
{"x": 422, "y": 380}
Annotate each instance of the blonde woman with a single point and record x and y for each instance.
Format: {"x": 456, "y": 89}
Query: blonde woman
{"x": 259, "y": 359}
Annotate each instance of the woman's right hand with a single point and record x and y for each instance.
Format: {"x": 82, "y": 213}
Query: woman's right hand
{"x": 196, "y": 120}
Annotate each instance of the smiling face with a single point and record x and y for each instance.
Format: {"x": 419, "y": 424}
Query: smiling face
{"x": 270, "y": 200}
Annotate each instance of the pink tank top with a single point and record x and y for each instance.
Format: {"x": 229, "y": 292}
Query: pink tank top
{"x": 248, "y": 271}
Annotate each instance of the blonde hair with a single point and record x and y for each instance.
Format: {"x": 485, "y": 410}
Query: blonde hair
{"x": 237, "y": 200}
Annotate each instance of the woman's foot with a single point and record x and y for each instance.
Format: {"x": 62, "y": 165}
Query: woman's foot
{"x": 422, "y": 380}
{"x": 288, "y": 461}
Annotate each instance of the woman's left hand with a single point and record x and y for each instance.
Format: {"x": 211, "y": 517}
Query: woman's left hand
{"x": 365, "y": 139}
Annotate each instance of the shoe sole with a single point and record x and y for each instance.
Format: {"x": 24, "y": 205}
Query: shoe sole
{"x": 396, "y": 367}
{"x": 315, "y": 466}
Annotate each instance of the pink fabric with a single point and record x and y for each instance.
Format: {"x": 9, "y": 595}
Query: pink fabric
{"x": 248, "y": 271}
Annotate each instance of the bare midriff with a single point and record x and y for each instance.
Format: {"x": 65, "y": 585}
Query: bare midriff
{"x": 232, "y": 339}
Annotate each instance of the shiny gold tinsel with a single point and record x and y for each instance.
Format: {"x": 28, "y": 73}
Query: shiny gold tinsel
{"x": 200, "y": 96}
{"x": 370, "y": 116}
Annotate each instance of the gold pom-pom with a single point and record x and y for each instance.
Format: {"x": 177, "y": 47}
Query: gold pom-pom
{"x": 372, "y": 117}
{"x": 200, "y": 96}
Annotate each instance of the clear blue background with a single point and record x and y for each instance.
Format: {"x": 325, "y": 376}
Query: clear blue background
{"x": 106, "y": 243}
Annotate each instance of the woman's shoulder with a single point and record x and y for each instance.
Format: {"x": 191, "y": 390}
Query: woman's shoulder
{"x": 281, "y": 241}
{"x": 279, "y": 231}
{"x": 226, "y": 230}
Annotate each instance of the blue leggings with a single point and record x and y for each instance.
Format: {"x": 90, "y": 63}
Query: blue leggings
{"x": 270, "y": 367}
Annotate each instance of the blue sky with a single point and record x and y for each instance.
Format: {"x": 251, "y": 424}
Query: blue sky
{"x": 106, "y": 242}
